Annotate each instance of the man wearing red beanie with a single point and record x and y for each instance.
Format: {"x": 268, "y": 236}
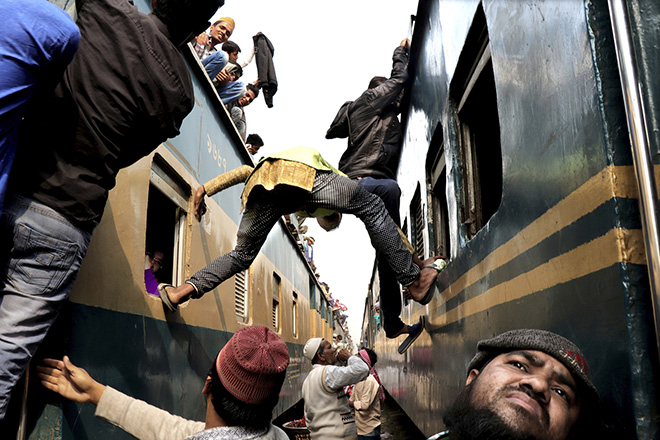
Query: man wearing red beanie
{"x": 241, "y": 390}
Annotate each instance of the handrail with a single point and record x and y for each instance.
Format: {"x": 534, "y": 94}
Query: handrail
{"x": 639, "y": 143}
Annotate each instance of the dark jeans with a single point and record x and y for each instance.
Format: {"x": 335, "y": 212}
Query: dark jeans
{"x": 373, "y": 435}
{"x": 390, "y": 292}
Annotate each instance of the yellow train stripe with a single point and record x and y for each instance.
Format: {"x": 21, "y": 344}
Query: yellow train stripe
{"x": 613, "y": 181}
{"x": 617, "y": 246}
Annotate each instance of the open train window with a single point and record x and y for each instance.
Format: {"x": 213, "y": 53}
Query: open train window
{"x": 480, "y": 152}
{"x": 417, "y": 223}
{"x": 241, "y": 295}
{"x": 275, "y": 315}
{"x": 313, "y": 294}
{"x": 436, "y": 176}
{"x": 166, "y": 218}
{"x": 294, "y": 314}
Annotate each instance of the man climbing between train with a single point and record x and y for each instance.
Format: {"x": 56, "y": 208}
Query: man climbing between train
{"x": 327, "y": 412}
{"x": 241, "y": 391}
{"x": 101, "y": 117}
{"x": 299, "y": 180}
{"x": 375, "y": 141}
{"x": 525, "y": 384}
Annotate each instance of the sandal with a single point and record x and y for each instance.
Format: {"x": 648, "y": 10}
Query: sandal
{"x": 414, "y": 332}
{"x": 165, "y": 298}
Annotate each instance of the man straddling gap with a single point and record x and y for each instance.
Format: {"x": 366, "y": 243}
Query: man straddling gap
{"x": 299, "y": 180}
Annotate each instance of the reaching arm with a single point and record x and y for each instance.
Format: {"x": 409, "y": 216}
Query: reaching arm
{"x": 223, "y": 181}
{"x": 388, "y": 92}
{"x": 354, "y": 372}
{"x": 69, "y": 381}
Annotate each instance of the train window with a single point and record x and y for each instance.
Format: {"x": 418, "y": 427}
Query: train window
{"x": 275, "y": 316}
{"x": 313, "y": 294}
{"x": 241, "y": 295}
{"x": 480, "y": 152}
{"x": 166, "y": 220}
{"x": 437, "y": 181}
{"x": 294, "y": 313}
{"x": 417, "y": 223}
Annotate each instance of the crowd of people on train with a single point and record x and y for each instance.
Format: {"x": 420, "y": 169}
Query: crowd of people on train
{"x": 87, "y": 77}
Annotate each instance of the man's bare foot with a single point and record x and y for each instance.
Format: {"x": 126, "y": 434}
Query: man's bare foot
{"x": 180, "y": 294}
{"x": 420, "y": 288}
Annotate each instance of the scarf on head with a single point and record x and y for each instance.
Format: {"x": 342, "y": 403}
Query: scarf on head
{"x": 365, "y": 357}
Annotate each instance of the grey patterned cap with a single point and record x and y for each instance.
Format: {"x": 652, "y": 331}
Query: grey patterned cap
{"x": 547, "y": 342}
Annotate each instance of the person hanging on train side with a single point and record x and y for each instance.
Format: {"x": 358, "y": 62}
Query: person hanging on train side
{"x": 241, "y": 390}
{"x": 525, "y": 384}
{"x": 299, "y": 180}
{"x": 375, "y": 141}
{"x": 102, "y": 116}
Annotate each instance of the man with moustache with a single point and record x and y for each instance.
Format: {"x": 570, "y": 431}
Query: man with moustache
{"x": 525, "y": 384}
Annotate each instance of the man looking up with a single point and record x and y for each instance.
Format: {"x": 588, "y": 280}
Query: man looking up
{"x": 525, "y": 384}
{"x": 103, "y": 116}
{"x": 327, "y": 412}
{"x": 375, "y": 141}
{"x": 241, "y": 391}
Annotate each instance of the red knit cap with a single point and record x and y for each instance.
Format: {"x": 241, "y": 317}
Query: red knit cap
{"x": 251, "y": 363}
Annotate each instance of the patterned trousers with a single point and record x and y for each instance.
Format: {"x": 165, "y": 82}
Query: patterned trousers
{"x": 330, "y": 191}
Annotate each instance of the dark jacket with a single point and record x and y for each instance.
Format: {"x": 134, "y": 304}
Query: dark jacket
{"x": 264, "y": 51}
{"x": 374, "y": 132}
{"x": 127, "y": 90}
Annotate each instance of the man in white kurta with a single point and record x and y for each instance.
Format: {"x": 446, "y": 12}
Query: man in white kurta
{"x": 327, "y": 413}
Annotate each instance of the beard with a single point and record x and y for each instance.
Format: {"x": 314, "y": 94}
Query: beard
{"x": 466, "y": 422}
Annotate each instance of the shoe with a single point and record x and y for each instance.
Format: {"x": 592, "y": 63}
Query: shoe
{"x": 437, "y": 265}
{"x": 415, "y": 331}
{"x": 166, "y": 299}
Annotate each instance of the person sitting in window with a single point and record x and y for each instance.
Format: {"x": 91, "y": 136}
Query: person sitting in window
{"x": 153, "y": 262}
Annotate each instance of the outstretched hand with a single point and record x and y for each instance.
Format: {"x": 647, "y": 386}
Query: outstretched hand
{"x": 200, "y": 205}
{"x": 69, "y": 381}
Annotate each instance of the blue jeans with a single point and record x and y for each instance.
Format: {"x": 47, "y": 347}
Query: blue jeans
{"x": 214, "y": 63}
{"x": 232, "y": 91}
{"x": 373, "y": 435}
{"x": 44, "y": 252}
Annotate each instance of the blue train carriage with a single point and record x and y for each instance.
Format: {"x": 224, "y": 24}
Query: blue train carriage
{"x": 121, "y": 334}
{"x": 516, "y": 109}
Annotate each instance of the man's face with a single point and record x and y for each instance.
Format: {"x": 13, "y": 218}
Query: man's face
{"x": 532, "y": 392}
{"x": 328, "y": 353}
{"x": 221, "y": 32}
{"x": 246, "y": 99}
{"x": 233, "y": 56}
{"x": 253, "y": 149}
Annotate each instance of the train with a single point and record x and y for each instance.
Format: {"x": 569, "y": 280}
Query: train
{"x": 531, "y": 159}
{"x": 122, "y": 335}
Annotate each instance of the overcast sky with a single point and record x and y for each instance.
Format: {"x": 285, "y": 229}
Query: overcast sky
{"x": 325, "y": 54}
